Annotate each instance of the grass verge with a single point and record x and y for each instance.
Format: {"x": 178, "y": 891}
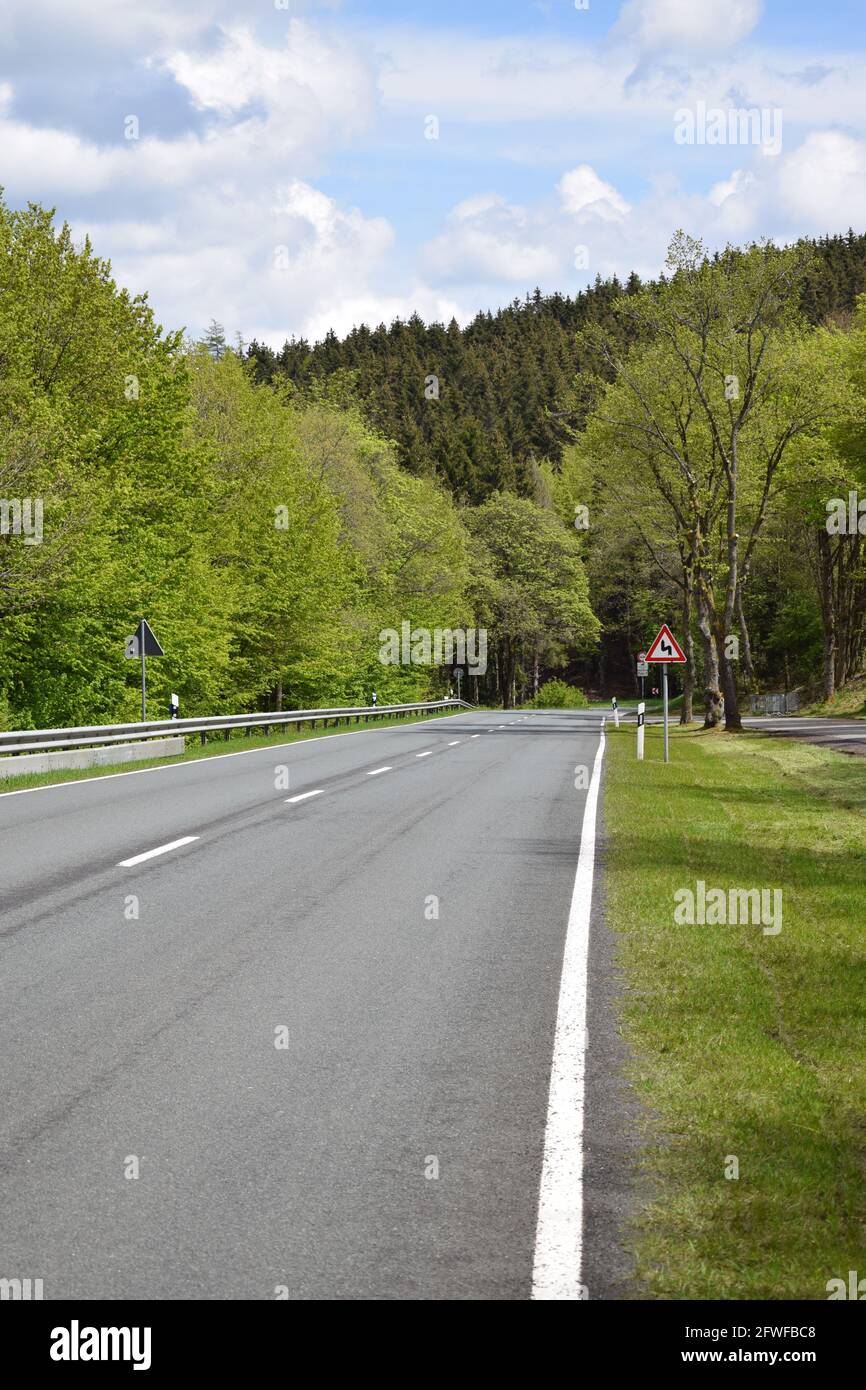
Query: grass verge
{"x": 218, "y": 744}
{"x": 850, "y": 700}
{"x": 746, "y": 1045}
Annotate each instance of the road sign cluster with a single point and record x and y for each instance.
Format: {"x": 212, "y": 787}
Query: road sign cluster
{"x": 664, "y": 651}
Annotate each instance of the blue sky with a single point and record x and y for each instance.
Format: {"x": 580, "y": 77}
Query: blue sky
{"x": 280, "y": 176}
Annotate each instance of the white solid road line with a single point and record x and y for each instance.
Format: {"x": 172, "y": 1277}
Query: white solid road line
{"x": 559, "y": 1231}
{"x": 152, "y": 853}
{"x": 304, "y": 796}
{"x": 428, "y": 754}
{"x": 377, "y": 770}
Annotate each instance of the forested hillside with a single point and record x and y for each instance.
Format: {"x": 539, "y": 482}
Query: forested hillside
{"x": 504, "y": 403}
{"x": 274, "y": 514}
{"x": 506, "y": 383}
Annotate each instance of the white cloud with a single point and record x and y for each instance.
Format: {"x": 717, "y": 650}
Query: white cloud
{"x": 257, "y": 107}
{"x": 371, "y": 308}
{"x": 739, "y": 182}
{"x": 224, "y": 221}
{"x": 463, "y": 77}
{"x": 487, "y": 239}
{"x": 581, "y": 190}
{"x": 290, "y": 269}
{"x": 687, "y": 26}
{"x": 826, "y": 177}
{"x": 307, "y": 77}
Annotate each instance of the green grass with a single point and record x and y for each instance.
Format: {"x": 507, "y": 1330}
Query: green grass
{"x": 654, "y": 704}
{"x": 850, "y": 700}
{"x": 744, "y": 1044}
{"x": 217, "y": 744}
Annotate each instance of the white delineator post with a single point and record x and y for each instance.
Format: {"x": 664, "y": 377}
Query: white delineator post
{"x": 615, "y": 712}
{"x": 640, "y": 717}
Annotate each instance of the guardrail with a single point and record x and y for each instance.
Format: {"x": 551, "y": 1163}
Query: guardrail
{"x": 40, "y": 740}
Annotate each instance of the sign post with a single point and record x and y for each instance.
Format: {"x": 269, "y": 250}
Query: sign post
{"x": 141, "y": 644}
{"x": 666, "y": 651}
{"x": 642, "y": 672}
{"x": 665, "y": 707}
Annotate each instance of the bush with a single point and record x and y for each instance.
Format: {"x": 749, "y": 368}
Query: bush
{"x": 556, "y": 694}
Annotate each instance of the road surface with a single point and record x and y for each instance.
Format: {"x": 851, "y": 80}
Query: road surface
{"x": 313, "y": 1000}
{"x": 842, "y": 735}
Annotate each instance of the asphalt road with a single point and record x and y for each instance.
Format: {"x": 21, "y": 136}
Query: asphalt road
{"x": 842, "y": 735}
{"x": 141, "y": 1005}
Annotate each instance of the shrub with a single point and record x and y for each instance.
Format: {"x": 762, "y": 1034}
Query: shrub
{"x": 557, "y": 694}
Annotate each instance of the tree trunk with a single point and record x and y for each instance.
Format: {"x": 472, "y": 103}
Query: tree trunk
{"x": 712, "y": 693}
{"x": 689, "y": 649}
{"x": 828, "y": 611}
{"x": 729, "y": 684}
{"x": 733, "y": 722}
{"x": 509, "y": 665}
{"x": 748, "y": 668}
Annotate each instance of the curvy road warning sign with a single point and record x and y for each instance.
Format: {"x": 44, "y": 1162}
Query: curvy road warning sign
{"x": 666, "y": 648}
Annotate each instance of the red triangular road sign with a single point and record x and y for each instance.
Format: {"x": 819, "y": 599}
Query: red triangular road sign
{"x": 665, "y": 648}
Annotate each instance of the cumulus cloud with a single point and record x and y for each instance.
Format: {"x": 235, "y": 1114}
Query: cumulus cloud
{"x": 221, "y": 208}
{"x": 826, "y": 176}
{"x": 487, "y": 239}
{"x": 291, "y": 268}
{"x": 581, "y": 190}
{"x": 223, "y": 220}
{"x": 321, "y": 82}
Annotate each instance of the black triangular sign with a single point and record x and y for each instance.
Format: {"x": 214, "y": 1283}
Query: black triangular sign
{"x": 147, "y": 643}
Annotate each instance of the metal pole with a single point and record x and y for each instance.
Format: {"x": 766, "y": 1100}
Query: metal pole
{"x": 665, "y": 699}
{"x": 143, "y": 676}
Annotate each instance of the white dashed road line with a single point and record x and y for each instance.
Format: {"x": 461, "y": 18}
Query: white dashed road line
{"x": 428, "y": 754}
{"x": 152, "y": 853}
{"x": 304, "y": 796}
{"x": 377, "y": 770}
